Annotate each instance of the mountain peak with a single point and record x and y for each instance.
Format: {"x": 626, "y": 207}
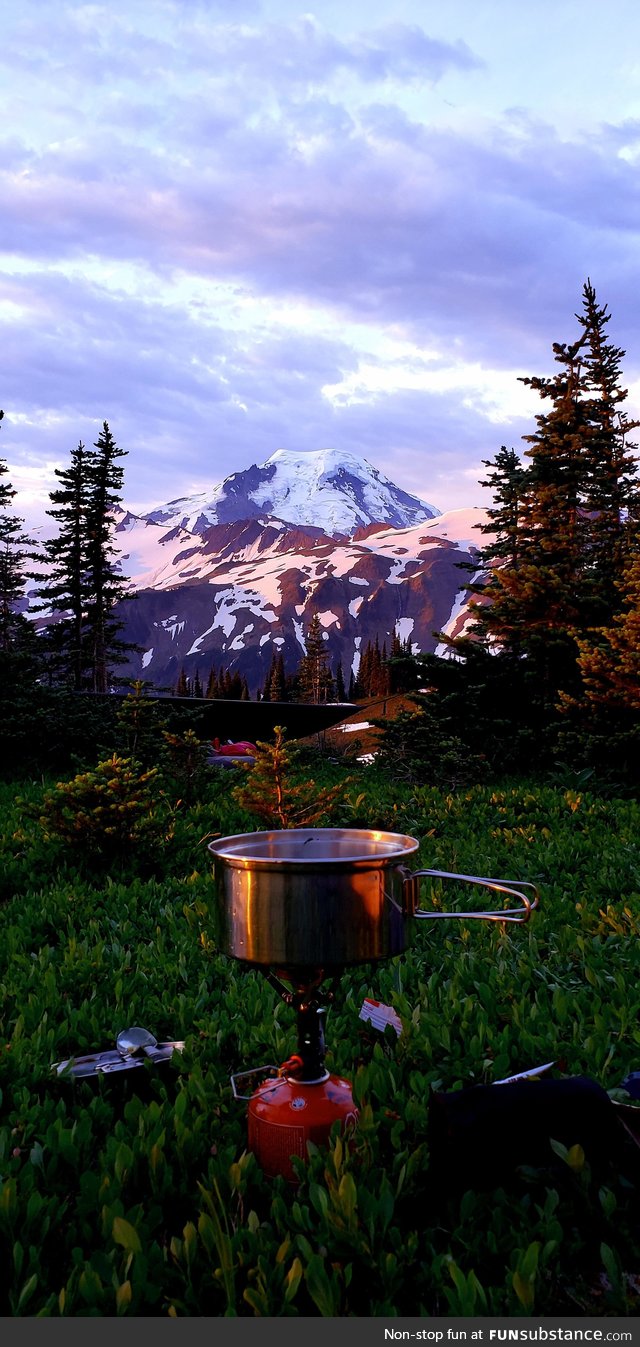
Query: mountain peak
{"x": 330, "y": 489}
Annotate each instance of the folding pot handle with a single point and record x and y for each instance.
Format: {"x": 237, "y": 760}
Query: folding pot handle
{"x": 518, "y": 915}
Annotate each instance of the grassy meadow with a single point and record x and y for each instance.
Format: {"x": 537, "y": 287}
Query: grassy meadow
{"x": 136, "y": 1195}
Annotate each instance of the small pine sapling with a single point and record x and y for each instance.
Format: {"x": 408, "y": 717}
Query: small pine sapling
{"x": 185, "y": 758}
{"x": 140, "y": 723}
{"x": 273, "y": 795}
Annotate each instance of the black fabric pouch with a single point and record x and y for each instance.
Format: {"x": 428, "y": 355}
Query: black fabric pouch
{"x": 478, "y": 1137}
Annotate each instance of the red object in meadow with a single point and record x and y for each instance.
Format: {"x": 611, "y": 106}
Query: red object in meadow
{"x": 242, "y": 749}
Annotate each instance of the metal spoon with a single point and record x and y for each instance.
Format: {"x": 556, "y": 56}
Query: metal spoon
{"x": 131, "y": 1042}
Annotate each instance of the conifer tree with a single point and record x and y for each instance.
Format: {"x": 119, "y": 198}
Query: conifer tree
{"x": 212, "y": 691}
{"x": 340, "y": 691}
{"x": 15, "y": 551}
{"x": 273, "y": 795}
{"x": 609, "y": 658}
{"x": 82, "y": 584}
{"x": 197, "y": 685}
{"x": 266, "y": 690}
{"x": 534, "y": 603}
{"x": 506, "y": 481}
{"x": 364, "y": 669}
{"x": 140, "y": 725}
{"x": 601, "y": 724}
{"x": 610, "y": 496}
{"x": 316, "y": 683}
{"x": 108, "y": 585}
{"x": 403, "y": 667}
{"x": 356, "y": 691}
{"x": 373, "y": 673}
{"x": 65, "y": 588}
{"x": 560, "y": 521}
{"x": 277, "y": 684}
{"x": 183, "y": 685}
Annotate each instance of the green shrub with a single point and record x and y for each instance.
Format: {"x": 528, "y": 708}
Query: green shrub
{"x": 111, "y": 810}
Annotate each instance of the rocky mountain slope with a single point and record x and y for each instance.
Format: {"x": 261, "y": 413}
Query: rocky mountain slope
{"x": 234, "y": 576}
{"x": 236, "y": 592}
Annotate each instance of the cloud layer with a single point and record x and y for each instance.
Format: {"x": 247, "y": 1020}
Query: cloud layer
{"x": 228, "y": 229}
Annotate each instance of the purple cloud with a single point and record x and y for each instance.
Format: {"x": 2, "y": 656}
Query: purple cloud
{"x": 296, "y": 165}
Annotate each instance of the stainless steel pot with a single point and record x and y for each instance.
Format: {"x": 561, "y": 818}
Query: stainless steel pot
{"x": 328, "y": 897}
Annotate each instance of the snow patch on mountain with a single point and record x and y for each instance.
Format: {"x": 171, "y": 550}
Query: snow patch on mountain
{"x": 404, "y": 628}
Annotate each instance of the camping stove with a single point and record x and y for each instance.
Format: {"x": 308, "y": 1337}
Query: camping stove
{"x": 297, "y": 1102}
{"x": 302, "y": 905}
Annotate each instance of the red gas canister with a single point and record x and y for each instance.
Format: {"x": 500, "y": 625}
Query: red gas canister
{"x": 285, "y": 1114}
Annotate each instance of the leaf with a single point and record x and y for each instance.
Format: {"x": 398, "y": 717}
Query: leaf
{"x": 36, "y": 1153}
{"x": 576, "y": 1158}
{"x": 123, "y": 1162}
{"x": 318, "y": 1198}
{"x": 27, "y": 1292}
{"x": 123, "y": 1296}
{"x": 524, "y": 1289}
{"x": 320, "y": 1289}
{"x": 528, "y": 1264}
{"x": 125, "y": 1234}
{"x": 559, "y": 1149}
{"x": 348, "y": 1197}
{"x": 611, "y": 1265}
{"x": 293, "y": 1280}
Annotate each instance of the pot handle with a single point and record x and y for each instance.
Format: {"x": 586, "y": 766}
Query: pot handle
{"x": 411, "y": 897}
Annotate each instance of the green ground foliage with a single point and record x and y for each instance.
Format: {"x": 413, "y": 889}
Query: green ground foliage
{"x": 135, "y": 1195}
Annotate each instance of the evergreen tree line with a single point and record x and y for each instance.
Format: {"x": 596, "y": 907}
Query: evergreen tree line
{"x": 379, "y": 674}
{"x": 221, "y": 685}
{"x": 77, "y": 581}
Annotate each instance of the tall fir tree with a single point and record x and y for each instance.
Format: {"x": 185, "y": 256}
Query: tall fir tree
{"x": 506, "y": 482}
{"x": 610, "y": 495}
{"x": 197, "y": 685}
{"x": 183, "y": 685}
{"x": 65, "y": 587}
{"x": 16, "y": 549}
{"x": 277, "y": 680}
{"x": 374, "y": 672}
{"x": 316, "y": 683}
{"x": 560, "y": 521}
{"x": 81, "y": 583}
{"x": 601, "y": 725}
{"x": 212, "y": 691}
{"x": 108, "y": 585}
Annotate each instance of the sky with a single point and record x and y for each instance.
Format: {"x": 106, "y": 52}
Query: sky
{"x": 232, "y": 226}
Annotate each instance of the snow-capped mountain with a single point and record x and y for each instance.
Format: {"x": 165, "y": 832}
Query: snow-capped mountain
{"x": 329, "y": 489}
{"x": 237, "y": 593}
{"x": 234, "y": 577}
